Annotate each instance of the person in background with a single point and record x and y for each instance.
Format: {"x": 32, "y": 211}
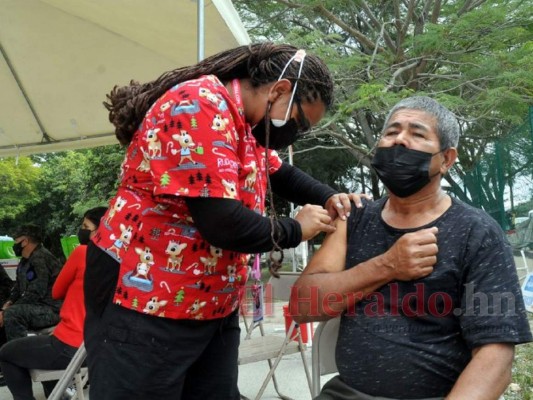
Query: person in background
{"x": 166, "y": 266}
{"x": 53, "y": 351}
{"x": 426, "y": 285}
{"x": 6, "y": 285}
{"x": 30, "y": 305}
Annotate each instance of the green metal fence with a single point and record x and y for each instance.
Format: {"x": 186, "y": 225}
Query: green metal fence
{"x": 501, "y": 182}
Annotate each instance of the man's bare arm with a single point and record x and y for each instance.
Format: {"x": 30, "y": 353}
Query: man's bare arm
{"x": 487, "y": 375}
{"x": 325, "y": 289}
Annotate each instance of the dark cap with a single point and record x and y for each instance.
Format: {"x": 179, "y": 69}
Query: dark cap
{"x": 32, "y": 231}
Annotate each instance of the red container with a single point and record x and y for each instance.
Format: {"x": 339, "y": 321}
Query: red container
{"x": 306, "y": 329}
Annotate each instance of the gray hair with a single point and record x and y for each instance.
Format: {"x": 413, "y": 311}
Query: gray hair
{"x": 447, "y": 125}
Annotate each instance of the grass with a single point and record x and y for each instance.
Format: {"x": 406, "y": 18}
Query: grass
{"x": 521, "y": 387}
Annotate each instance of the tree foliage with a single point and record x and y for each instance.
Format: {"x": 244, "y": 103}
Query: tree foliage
{"x": 18, "y": 187}
{"x": 54, "y": 190}
{"x": 474, "y": 56}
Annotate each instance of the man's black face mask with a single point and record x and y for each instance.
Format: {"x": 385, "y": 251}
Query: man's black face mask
{"x": 17, "y": 249}
{"x": 403, "y": 171}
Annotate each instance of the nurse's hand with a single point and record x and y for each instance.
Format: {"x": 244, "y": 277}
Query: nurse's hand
{"x": 313, "y": 220}
{"x": 339, "y": 205}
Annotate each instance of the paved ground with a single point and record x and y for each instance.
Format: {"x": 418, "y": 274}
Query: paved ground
{"x": 290, "y": 375}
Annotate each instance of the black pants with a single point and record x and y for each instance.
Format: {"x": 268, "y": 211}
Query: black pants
{"x": 18, "y": 356}
{"x": 135, "y": 356}
{"x": 336, "y": 389}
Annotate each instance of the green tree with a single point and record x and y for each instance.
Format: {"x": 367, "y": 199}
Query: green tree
{"x": 165, "y": 179}
{"x": 18, "y": 190}
{"x": 474, "y": 56}
{"x": 66, "y": 184}
{"x": 180, "y": 295}
{"x": 135, "y": 303}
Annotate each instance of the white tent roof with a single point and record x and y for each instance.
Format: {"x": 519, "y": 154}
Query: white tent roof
{"x": 59, "y": 58}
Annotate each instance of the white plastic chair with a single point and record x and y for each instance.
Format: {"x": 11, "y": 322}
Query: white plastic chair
{"x": 272, "y": 348}
{"x": 73, "y": 373}
{"x": 323, "y": 352}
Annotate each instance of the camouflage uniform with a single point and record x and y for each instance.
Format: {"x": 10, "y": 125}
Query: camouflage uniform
{"x": 33, "y": 306}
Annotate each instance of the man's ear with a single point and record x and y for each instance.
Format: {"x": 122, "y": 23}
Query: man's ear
{"x": 449, "y": 155}
{"x": 279, "y": 88}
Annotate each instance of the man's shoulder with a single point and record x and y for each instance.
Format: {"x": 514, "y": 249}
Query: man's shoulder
{"x": 371, "y": 206}
{"x": 360, "y": 217}
{"x": 472, "y": 215}
{"x": 43, "y": 254}
{"x": 473, "y": 226}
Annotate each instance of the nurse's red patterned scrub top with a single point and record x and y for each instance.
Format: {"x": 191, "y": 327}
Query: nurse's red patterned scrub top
{"x": 193, "y": 142}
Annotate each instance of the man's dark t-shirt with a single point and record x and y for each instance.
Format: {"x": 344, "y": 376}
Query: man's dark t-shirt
{"x": 412, "y": 339}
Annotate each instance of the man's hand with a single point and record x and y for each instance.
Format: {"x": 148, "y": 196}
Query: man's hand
{"x": 413, "y": 255}
{"x": 313, "y": 220}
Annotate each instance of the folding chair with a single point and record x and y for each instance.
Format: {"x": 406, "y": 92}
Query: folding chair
{"x": 43, "y": 331}
{"x": 73, "y": 373}
{"x": 272, "y": 348}
{"x": 323, "y": 352}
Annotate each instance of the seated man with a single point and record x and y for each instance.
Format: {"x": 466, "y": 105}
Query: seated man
{"x": 426, "y": 285}
{"x": 30, "y": 304}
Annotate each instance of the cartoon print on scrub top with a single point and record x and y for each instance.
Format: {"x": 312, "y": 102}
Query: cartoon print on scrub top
{"x": 186, "y": 147}
{"x": 166, "y": 267}
{"x": 214, "y": 98}
{"x": 144, "y": 165}
{"x": 140, "y": 276}
{"x": 231, "y": 278}
{"x": 116, "y": 208}
{"x": 175, "y": 258}
{"x": 221, "y": 126}
{"x": 230, "y": 189}
{"x": 155, "y": 307}
{"x": 210, "y": 263}
{"x": 251, "y": 177}
{"x": 123, "y": 241}
{"x": 154, "y": 144}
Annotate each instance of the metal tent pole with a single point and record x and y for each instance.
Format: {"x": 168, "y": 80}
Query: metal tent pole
{"x": 201, "y": 32}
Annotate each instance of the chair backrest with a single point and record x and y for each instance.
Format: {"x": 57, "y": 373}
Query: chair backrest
{"x": 42, "y": 331}
{"x": 72, "y": 369}
{"x": 323, "y": 351}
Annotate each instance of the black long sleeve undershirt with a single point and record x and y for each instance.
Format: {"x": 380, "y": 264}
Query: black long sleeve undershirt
{"x": 227, "y": 224}
{"x": 296, "y": 186}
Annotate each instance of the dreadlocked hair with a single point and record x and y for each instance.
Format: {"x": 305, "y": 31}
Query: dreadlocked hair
{"x": 262, "y": 63}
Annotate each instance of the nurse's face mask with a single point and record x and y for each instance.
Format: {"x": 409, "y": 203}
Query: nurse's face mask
{"x": 279, "y": 133}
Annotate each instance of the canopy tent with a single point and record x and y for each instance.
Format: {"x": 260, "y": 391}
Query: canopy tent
{"x": 59, "y": 58}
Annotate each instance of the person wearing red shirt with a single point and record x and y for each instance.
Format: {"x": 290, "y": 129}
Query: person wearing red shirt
{"x": 55, "y": 351}
{"x": 166, "y": 266}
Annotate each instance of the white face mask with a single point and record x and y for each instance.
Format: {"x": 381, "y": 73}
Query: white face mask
{"x": 298, "y": 57}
